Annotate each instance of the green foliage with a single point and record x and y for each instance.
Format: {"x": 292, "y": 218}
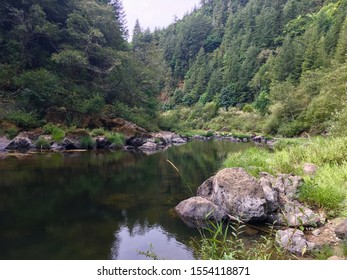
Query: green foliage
{"x": 39, "y": 88}
{"x": 224, "y": 242}
{"x": 12, "y": 133}
{"x": 327, "y": 189}
{"x": 23, "y": 119}
{"x": 87, "y": 142}
{"x": 344, "y": 248}
{"x": 42, "y": 144}
{"x": 57, "y": 132}
{"x": 323, "y": 253}
{"x": 117, "y": 139}
{"x": 254, "y": 161}
{"x": 98, "y": 132}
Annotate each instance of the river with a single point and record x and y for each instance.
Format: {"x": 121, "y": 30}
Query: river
{"x": 102, "y": 205}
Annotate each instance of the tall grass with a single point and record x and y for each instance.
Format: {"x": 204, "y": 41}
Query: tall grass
{"x": 327, "y": 189}
{"x": 117, "y": 139}
{"x": 224, "y": 242}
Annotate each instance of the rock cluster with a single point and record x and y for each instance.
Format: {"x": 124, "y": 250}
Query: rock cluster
{"x": 233, "y": 193}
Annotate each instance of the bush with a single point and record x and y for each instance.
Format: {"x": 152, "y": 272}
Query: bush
{"x": 87, "y": 142}
{"x": 57, "y": 133}
{"x": 42, "y": 144}
{"x": 116, "y": 139}
{"x": 23, "y": 119}
{"x": 98, "y": 132}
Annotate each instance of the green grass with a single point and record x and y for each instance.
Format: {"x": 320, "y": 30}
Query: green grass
{"x": 42, "y": 144}
{"x": 323, "y": 253}
{"x": 253, "y": 160}
{"x": 98, "y": 132}
{"x": 328, "y": 189}
{"x": 344, "y": 248}
{"x": 87, "y": 143}
{"x": 117, "y": 139}
{"x": 57, "y": 133}
{"x": 220, "y": 242}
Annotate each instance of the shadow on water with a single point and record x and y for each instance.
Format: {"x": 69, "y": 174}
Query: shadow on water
{"x": 102, "y": 205}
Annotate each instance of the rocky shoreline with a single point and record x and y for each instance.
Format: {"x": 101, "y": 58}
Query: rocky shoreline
{"x": 233, "y": 194}
{"x": 137, "y": 139}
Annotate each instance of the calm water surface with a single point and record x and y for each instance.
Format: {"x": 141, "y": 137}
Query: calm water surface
{"x": 102, "y": 205}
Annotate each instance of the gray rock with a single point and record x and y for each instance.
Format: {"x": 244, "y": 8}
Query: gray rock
{"x": 294, "y": 241}
{"x": 20, "y": 143}
{"x": 236, "y": 192}
{"x": 149, "y": 147}
{"x": 341, "y": 230}
{"x": 271, "y": 195}
{"x": 316, "y": 232}
{"x": 102, "y": 142}
{"x": 196, "y": 211}
{"x": 295, "y": 214}
{"x": 310, "y": 169}
{"x": 136, "y": 141}
{"x": 70, "y": 144}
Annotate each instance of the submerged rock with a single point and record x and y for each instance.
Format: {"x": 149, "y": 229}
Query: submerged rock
{"x": 196, "y": 211}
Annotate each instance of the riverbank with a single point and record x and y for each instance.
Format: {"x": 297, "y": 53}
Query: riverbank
{"x": 300, "y": 187}
{"x": 115, "y": 135}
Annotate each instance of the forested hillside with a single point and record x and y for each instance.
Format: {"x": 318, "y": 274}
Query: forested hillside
{"x": 274, "y": 67}
{"x": 282, "y": 64}
{"x": 70, "y": 54}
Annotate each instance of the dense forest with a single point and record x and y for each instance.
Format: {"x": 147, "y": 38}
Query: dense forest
{"x": 273, "y": 67}
{"x": 74, "y": 55}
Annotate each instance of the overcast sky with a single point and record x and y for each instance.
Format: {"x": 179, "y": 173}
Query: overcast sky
{"x": 155, "y": 13}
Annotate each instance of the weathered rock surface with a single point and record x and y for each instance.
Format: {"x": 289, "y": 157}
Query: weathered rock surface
{"x": 196, "y": 211}
{"x": 149, "y": 147}
{"x": 70, "y": 144}
{"x": 294, "y": 214}
{"x": 129, "y": 129}
{"x": 294, "y": 241}
{"x": 325, "y": 234}
{"x": 341, "y": 230}
{"x": 20, "y": 144}
{"x": 236, "y": 192}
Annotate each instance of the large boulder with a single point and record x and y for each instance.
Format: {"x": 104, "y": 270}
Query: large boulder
{"x": 70, "y": 144}
{"x": 196, "y": 211}
{"x": 129, "y": 129}
{"x": 294, "y": 241}
{"x": 20, "y": 144}
{"x": 238, "y": 193}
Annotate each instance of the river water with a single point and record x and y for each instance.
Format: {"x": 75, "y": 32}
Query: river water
{"x": 111, "y": 205}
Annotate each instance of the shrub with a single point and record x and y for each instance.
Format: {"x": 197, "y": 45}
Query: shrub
{"x": 42, "y": 144}
{"x": 87, "y": 142}
{"x": 98, "y": 132}
{"x": 117, "y": 139}
{"x": 23, "y": 119}
{"x": 57, "y": 133}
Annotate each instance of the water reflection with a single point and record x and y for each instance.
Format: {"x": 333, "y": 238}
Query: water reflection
{"x": 56, "y": 206}
{"x": 135, "y": 243}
